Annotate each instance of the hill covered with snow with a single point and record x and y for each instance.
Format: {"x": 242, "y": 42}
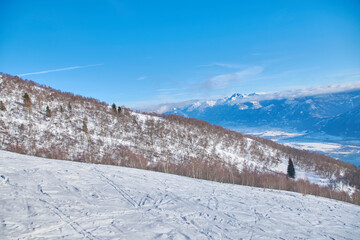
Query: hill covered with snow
{"x": 60, "y": 125}
{"x": 46, "y": 198}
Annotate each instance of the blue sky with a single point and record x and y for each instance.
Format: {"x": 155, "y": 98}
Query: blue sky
{"x": 137, "y": 53}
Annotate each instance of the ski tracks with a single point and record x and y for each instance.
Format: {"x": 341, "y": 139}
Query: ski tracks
{"x": 78, "y": 201}
{"x": 62, "y": 216}
{"x": 65, "y": 218}
{"x": 123, "y": 193}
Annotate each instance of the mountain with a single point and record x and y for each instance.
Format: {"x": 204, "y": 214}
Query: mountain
{"x": 54, "y": 124}
{"x": 349, "y": 122}
{"x": 49, "y": 199}
{"x": 326, "y": 112}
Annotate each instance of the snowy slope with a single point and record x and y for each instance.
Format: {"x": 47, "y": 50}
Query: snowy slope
{"x": 111, "y": 137}
{"x": 43, "y": 198}
{"x": 170, "y": 143}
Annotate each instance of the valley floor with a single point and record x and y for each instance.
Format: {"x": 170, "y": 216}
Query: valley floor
{"x": 345, "y": 149}
{"x": 45, "y": 198}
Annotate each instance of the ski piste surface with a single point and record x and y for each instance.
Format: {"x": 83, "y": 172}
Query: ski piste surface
{"x": 53, "y": 199}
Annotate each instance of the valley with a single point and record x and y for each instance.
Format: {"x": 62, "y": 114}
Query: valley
{"x": 342, "y": 148}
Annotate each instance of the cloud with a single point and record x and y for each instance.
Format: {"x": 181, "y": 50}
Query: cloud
{"x": 351, "y": 76}
{"x": 296, "y": 93}
{"x": 142, "y": 78}
{"x": 169, "y": 94}
{"x": 158, "y": 106}
{"x": 162, "y": 105}
{"x": 167, "y": 89}
{"x": 224, "y": 65}
{"x": 224, "y": 80}
{"x": 58, "y": 70}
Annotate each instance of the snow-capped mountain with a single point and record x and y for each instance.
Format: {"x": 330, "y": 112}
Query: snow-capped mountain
{"x": 349, "y": 122}
{"x": 53, "y": 124}
{"x": 49, "y": 199}
{"x": 321, "y": 112}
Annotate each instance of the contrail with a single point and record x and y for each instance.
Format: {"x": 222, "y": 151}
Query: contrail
{"x": 59, "y": 70}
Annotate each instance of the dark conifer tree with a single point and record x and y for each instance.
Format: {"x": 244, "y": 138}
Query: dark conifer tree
{"x": 85, "y": 128}
{"x": 113, "y": 106}
{"x": 27, "y": 101}
{"x": 291, "y": 169}
{"x": 119, "y": 109}
{"x": 2, "y": 106}
{"x": 48, "y": 111}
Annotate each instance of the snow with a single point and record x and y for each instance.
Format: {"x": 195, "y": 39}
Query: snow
{"x": 243, "y": 106}
{"x": 316, "y": 146}
{"x": 162, "y": 109}
{"x": 44, "y": 198}
{"x": 211, "y": 103}
{"x": 195, "y": 105}
{"x": 256, "y": 105}
{"x": 277, "y": 134}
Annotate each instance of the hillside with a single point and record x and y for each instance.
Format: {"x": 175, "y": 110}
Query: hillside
{"x": 43, "y": 198}
{"x": 87, "y": 130}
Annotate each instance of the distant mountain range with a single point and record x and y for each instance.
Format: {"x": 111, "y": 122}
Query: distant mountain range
{"x": 334, "y": 113}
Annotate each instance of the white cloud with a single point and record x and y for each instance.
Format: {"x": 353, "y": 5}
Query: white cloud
{"x": 167, "y": 89}
{"x": 58, "y": 70}
{"x": 225, "y": 65}
{"x": 224, "y": 80}
{"x": 229, "y": 65}
{"x": 158, "y": 106}
{"x": 296, "y": 93}
{"x": 142, "y": 78}
{"x": 350, "y": 76}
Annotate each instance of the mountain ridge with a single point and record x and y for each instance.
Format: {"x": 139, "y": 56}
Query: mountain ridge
{"x": 305, "y": 113}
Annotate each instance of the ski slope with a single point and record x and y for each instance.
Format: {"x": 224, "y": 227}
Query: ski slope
{"x": 44, "y": 198}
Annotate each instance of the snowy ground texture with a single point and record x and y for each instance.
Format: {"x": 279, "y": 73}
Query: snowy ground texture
{"x": 44, "y": 198}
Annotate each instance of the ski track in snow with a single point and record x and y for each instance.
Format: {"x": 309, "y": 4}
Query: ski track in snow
{"x": 45, "y": 198}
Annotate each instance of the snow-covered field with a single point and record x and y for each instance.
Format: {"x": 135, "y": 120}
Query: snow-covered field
{"x": 336, "y": 147}
{"x": 316, "y": 146}
{"x": 44, "y": 198}
{"x": 277, "y": 135}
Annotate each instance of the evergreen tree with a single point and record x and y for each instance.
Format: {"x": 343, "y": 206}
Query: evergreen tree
{"x": 48, "y": 111}
{"x": 119, "y": 109}
{"x": 85, "y": 128}
{"x": 69, "y": 107}
{"x": 27, "y": 100}
{"x": 114, "y": 107}
{"x": 291, "y": 169}
{"x": 2, "y": 106}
